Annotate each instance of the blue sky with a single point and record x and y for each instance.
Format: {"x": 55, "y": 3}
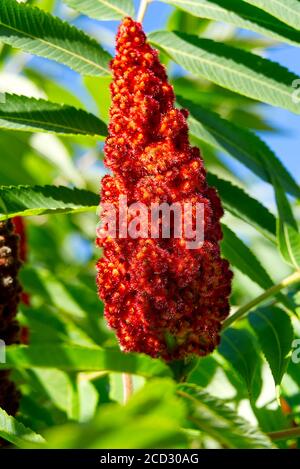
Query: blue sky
{"x": 286, "y": 145}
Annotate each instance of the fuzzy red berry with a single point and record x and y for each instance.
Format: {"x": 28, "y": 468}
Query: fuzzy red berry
{"x": 157, "y": 291}
{"x": 10, "y": 292}
{"x": 20, "y": 230}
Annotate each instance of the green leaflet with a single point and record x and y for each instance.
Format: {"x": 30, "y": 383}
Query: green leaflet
{"x": 38, "y": 200}
{"x": 241, "y": 15}
{"x": 103, "y": 9}
{"x": 288, "y": 235}
{"x": 29, "y": 114}
{"x": 151, "y": 419}
{"x": 40, "y": 33}
{"x": 287, "y": 11}
{"x": 238, "y": 347}
{"x": 239, "y": 255}
{"x": 242, "y": 205}
{"x": 242, "y": 144}
{"x": 274, "y": 330}
{"x": 77, "y": 358}
{"x": 15, "y": 432}
{"x": 215, "y": 418}
{"x": 243, "y": 258}
{"x": 235, "y": 69}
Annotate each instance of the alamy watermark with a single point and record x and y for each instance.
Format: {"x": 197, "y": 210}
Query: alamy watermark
{"x": 296, "y": 351}
{"x": 160, "y": 220}
{"x": 296, "y": 92}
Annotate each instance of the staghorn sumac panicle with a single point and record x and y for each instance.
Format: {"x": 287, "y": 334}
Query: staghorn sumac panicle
{"x": 161, "y": 298}
{"x": 20, "y": 230}
{"x": 10, "y": 295}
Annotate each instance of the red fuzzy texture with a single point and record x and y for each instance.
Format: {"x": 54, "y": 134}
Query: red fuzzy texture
{"x": 20, "y": 230}
{"x": 10, "y": 292}
{"x": 162, "y": 298}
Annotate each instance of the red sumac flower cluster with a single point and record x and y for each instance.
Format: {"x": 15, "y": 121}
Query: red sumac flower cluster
{"x": 162, "y": 298}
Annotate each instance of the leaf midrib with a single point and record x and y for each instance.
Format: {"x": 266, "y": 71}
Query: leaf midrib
{"x": 278, "y": 2}
{"x": 222, "y": 66}
{"x": 251, "y": 19}
{"x": 281, "y": 360}
{"x": 288, "y": 245}
{"x": 43, "y": 123}
{"x": 253, "y": 271}
{"x": 245, "y": 363}
{"x": 208, "y": 428}
{"x": 112, "y": 6}
{"x": 224, "y": 137}
{"x": 55, "y": 46}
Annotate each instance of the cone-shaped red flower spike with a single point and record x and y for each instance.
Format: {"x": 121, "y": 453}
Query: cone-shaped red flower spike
{"x": 20, "y": 230}
{"x": 10, "y": 291}
{"x": 161, "y": 297}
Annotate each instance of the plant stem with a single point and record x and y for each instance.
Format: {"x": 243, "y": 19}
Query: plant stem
{"x": 142, "y": 10}
{"x": 127, "y": 387}
{"x": 91, "y": 376}
{"x": 285, "y": 434}
{"x": 294, "y": 278}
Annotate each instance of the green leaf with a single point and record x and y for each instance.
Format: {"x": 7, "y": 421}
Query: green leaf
{"x": 208, "y": 95}
{"x": 38, "y": 200}
{"x": 75, "y": 358}
{"x": 29, "y": 114}
{"x": 239, "y": 255}
{"x": 271, "y": 420}
{"x": 103, "y": 10}
{"x": 40, "y": 33}
{"x": 215, "y": 418}
{"x": 242, "y": 205}
{"x": 59, "y": 387}
{"x": 46, "y": 5}
{"x": 241, "y": 15}
{"x": 70, "y": 312}
{"x": 242, "y": 144}
{"x": 88, "y": 399}
{"x": 235, "y": 69}
{"x": 33, "y": 411}
{"x": 73, "y": 394}
{"x": 204, "y": 372}
{"x": 15, "y": 432}
{"x": 237, "y": 109}
{"x": 14, "y": 149}
{"x": 288, "y": 235}
{"x": 180, "y": 20}
{"x": 240, "y": 350}
{"x": 287, "y": 11}
{"x": 151, "y": 419}
{"x": 100, "y": 86}
{"x": 274, "y": 330}
{"x": 45, "y": 325}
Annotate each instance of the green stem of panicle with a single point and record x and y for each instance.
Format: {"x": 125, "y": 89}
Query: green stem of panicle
{"x": 294, "y": 278}
{"x": 127, "y": 387}
{"x": 285, "y": 434}
{"x": 142, "y": 10}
